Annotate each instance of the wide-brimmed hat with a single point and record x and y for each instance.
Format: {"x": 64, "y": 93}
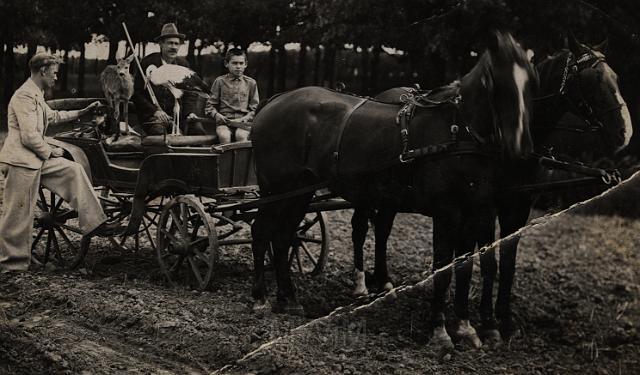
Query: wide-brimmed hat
{"x": 41, "y": 59}
{"x": 169, "y": 30}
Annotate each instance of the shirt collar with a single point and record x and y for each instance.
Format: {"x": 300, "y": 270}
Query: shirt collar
{"x": 34, "y": 88}
{"x": 234, "y": 78}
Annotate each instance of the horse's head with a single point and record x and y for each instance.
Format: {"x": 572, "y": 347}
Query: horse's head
{"x": 591, "y": 87}
{"x": 503, "y": 81}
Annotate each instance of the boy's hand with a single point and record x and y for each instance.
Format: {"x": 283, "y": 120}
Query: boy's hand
{"x": 221, "y": 119}
{"x": 192, "y": 116}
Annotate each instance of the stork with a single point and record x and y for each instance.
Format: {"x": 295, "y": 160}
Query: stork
{"x": 178, "y": 80}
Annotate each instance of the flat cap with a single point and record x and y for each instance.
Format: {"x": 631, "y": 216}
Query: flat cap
{"x": 41, "y": 59}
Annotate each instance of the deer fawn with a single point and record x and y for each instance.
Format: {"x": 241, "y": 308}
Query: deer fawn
{"x": 117, "y": 85}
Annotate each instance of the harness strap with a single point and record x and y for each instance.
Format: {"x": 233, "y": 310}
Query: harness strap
{"x": 341, "y": 127}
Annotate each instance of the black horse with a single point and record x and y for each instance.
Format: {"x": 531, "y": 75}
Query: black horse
{"x": 312, "y": 136}
{"x": 579, "y": 113}
{"x": 576, "y": 82}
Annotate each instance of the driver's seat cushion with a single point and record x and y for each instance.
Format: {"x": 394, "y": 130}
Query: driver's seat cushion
{"x": 179, "y": 140}
{"x": 125, "y": 143}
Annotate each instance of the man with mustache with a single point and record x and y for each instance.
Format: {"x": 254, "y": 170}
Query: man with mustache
{"x": 157, "y": 120}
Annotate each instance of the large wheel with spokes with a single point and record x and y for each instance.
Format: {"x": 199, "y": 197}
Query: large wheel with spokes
{"x": 310, "y": 248}
{"x": 57, "y": 237}
{"x": 187, "y": 243}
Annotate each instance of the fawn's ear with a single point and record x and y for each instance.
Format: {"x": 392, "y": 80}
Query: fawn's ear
{"x": 129, "y": 59}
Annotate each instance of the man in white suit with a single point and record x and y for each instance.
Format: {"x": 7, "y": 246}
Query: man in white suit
{"x": 26, "y": 161}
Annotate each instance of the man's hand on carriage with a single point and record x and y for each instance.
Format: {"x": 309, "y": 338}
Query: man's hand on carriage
{"x": 90, "y": 108}
{"x": 162, "y": 117}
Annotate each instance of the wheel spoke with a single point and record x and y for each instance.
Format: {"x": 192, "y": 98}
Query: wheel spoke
{"x": 57, "y": 206}
{"x": 48, "y": 247}
{"x": 199, "y": 242}
{"x": 57, "y": 251}
{"x": 43, "y": 200}
{"x": 195, "y": 270}
{"x": 36, "y": 239}
{"x": 308, "y": 224}
{"x": 68, "y": 227}
{"x": 150, "y": 238}
{"x": 67, "y": 240}
{"x": 171, "y": 237}
{"x": 176, "y": 220}
{"x": 311, "y": 257}
{"x": 184, "y": 213}
{"x": 303, "y": 238}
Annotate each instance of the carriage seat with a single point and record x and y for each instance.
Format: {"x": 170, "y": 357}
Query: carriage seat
{"x": 179, "y": 140}
{"x": 125, "y": 143}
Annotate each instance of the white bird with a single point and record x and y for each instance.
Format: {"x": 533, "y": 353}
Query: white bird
{"x": 178, "y": 80}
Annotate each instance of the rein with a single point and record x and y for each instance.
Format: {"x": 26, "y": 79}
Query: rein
{"x": 582, "y": 109}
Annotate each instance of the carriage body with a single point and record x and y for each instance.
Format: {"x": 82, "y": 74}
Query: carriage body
{"x": 147, "y": 183}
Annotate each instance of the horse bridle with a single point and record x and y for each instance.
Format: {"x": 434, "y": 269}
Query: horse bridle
{"x": 582, "y": 108}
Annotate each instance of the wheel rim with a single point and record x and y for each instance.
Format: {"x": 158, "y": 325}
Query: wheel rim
{"x": 57, "y": 233}
{"x": 187, "y": 244}
{"x": 310, "y": 248}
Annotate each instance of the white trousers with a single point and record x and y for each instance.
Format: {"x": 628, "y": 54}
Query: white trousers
{"x": 65, "y": 178}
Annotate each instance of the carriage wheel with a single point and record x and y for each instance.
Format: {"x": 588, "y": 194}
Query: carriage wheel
{"x": 187, "y": 243}
{"x": 117, "y": 207}
{"x": 57, "y": 236}
{"x": 310, "y": 247}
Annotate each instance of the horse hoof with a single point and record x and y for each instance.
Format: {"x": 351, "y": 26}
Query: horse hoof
{"x": 261, "y": 307}
{"x": 492, "y": 338}
{"x": 441, "y": 339}
{"x": 387, "y": 286}
{"x": 468, "y": 334}
{"x": 361, "y": 288}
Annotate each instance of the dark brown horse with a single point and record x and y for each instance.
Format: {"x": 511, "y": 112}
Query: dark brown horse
{"x": 576, "y": 82}
{"x": 312, "y": 135}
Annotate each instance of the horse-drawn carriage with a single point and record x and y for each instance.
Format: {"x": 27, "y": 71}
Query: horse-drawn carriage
{"x": 183, "y": 196}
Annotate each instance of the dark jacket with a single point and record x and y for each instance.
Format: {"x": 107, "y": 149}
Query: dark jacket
{"x": 144, "y": 106}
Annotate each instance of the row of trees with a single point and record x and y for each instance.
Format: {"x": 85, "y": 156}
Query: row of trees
{"x": 436, "y": 36}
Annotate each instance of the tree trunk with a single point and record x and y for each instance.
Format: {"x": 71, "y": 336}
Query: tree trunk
{"x": 64, "y": 70}
{"x": 282, "y": 68}
{"x": 375, "y": 70}
{"x": 302, "y": 65}
{"x": 272, "y": 71}
{"x": 113, "y": 48}
{"x": 81, "y": 69}
{"x": 316, "y": 68}
{"x": 31, "y": 50}
{"x": 364, "y": 75}
{"x": 9, "y": 71}
{"x": 329, "y": 78}
{"x": 191, "y": 57}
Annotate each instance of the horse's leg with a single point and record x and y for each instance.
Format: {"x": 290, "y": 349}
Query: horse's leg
{"x": 383, "y": 224}
{"x": 511, "y": 219}
{"x": 359, "y": 228}
{"x": 488, "y": 271}
{"x": 291, "y": 213}
{"x": 261, "y": 231}
{"x": 445, "y": 231}
{"x": 463, "y": 271}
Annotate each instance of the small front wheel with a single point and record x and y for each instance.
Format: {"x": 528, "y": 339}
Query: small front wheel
{"x": 187, "y": 243}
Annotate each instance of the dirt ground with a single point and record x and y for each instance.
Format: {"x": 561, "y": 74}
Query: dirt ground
{"x": 577, "y": 307}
